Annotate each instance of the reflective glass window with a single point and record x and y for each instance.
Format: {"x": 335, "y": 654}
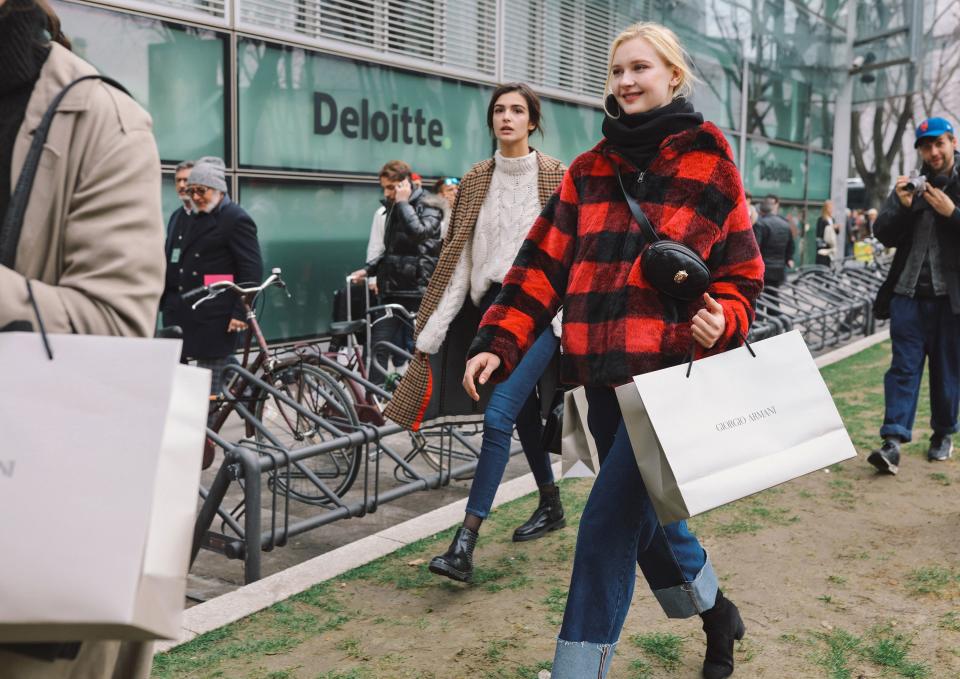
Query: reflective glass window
{"x": 175, "y": 72}
{"x": 316, "y": 233}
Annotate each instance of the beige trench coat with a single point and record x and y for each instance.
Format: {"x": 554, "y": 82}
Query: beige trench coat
{"x": 92, "y": 245}
{"x": 92, "y": 240}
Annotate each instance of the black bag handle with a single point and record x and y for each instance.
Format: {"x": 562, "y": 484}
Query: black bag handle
{"x": 13, "y": 221}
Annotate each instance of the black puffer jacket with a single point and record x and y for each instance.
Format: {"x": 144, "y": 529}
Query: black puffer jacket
{"x": 776, "y": 247}
{"x": 412, "y": 246}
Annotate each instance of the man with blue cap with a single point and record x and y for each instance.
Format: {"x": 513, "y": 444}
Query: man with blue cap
{"x": 921, "y": 296}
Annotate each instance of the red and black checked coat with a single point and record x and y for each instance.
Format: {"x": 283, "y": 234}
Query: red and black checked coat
{"x": 584, "y": 253}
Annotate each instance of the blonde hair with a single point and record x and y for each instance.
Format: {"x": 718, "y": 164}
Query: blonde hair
{"x": 666, "y": 44}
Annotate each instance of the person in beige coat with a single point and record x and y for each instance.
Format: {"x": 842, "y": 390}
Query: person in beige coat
{"x": 91, "y": 244}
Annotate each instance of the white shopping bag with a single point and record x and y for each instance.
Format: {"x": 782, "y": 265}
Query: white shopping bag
{"x": 99, "y": 470}
{"x": 737, "y": 425}
{"x": 578, "y": 449}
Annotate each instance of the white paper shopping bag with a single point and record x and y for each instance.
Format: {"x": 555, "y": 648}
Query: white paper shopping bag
{"x": 737, "y": 425}
{"x": 101, "y": 467}
{"x": 577, "y": 446}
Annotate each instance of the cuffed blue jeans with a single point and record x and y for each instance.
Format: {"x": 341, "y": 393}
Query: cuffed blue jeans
{"x": 921, "y": 328}
{"x": 618, "y": 530}
{"x": 513, "y": 401}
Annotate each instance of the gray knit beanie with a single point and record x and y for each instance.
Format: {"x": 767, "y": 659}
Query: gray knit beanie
{"x": 209, "y": 172}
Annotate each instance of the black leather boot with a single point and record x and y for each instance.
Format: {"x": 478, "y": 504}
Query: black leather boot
{"x": 546, "y": 517}
{"x": 457, "y": 562}
{"x": 723, "y": 626}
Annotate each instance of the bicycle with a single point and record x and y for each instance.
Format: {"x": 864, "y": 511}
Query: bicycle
{"x": 347, "y": 364}
{"x": 282, "y": 428}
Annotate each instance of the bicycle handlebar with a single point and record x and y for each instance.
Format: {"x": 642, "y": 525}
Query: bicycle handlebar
{"x": 214, "y": 289}
{"x": 392, "y": 308}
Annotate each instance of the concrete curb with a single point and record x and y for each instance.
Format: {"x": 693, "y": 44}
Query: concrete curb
{"x": 852, "y": 348}
{"x": 262, "y": 594}
{"x": 259, "y": 595}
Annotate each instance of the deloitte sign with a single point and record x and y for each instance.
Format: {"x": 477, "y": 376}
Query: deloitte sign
{"x": 397, "y": 125}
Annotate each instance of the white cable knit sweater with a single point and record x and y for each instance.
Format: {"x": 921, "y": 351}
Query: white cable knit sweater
{"x": 508, "y": 211}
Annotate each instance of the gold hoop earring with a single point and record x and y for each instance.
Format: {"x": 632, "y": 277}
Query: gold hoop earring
{"x": 607, "y": 101}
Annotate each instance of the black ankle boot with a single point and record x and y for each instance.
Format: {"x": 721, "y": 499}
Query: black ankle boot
{"x": 457, "y": 562}
{"x": 546, "y": 517}
{"x": 723, "y": 626}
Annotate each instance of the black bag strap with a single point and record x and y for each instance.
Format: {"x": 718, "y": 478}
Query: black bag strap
{"x": 13, "y": 221}
{"x": 638, "y": 213}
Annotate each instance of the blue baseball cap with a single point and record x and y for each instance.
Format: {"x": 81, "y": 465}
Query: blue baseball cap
{"x": 932, "y": 127}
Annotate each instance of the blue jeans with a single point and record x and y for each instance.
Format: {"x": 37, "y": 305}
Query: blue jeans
{"x": 513, "y": 401}
{"x": 618, "y": 530}
{"x": 921, "y": 328}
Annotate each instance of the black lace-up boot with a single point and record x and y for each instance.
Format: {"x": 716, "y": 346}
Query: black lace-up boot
{"x": 457, "y": 562}
{"x": 546, "y": 517}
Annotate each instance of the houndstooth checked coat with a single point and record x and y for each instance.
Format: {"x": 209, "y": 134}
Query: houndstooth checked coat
{"x": 409, "y": 403}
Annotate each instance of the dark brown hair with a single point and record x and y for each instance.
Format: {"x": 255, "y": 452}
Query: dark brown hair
{"x": 396, "y": 170}
{"x": 53, "y": 24}
{"x": 533, "y": 104}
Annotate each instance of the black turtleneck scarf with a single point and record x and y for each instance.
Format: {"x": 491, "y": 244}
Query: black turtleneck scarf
{"x": 23, "y": 49}
{"x": 638, "y": 136}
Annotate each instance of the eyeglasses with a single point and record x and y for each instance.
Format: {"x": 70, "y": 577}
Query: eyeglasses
{"x": 451, "y": 181}
{"x": 197, "y": 190}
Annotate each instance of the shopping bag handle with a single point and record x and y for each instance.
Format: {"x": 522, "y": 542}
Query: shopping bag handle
{"x": 693, "y": 349}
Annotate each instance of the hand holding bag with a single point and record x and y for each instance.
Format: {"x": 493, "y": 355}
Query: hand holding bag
{"x": 739, "y": 424}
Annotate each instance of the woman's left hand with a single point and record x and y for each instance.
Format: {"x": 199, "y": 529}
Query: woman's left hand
{"x": 709, "y": 323}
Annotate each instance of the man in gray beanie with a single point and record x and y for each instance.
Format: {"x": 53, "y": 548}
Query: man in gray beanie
{"x": 217, "y": 241}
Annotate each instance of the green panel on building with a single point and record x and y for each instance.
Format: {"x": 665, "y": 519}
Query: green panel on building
{"x": 775, "y": 169}
{"x": 818, "y": 186}
{"x": 317, "y": 234}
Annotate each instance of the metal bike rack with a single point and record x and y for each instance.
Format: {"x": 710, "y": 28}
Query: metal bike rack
{"x": 828, "y": 306}
{"x": 249, "y": 462}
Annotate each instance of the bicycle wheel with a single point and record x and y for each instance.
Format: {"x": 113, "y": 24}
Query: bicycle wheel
{"x": 320, "y": 395}
{"x": 435, "y": 448}
{"x": 367, "y": 406}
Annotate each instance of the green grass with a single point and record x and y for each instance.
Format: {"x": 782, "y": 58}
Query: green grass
{"x": 351, "y": 647}
{"x": 358, "y": 673}
{"x": 950, "y": 621}
{"x": 883, "y": 648}
{"x": 892, "y": 652}
{"x": 665, "y": 649}
{"x": 940, "y": 478}
{"x": 282, "y": 674}
{"x": 640, "y": 669}
{"x": 932, "y": 580}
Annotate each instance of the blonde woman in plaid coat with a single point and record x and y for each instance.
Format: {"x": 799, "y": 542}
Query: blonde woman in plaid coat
{"x": 499, "y": 200}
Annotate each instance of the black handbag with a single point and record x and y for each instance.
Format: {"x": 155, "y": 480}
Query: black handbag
{"x": 671, "y": 267}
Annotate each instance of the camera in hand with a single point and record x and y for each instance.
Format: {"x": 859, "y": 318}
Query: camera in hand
{"x": 917, "y": 183}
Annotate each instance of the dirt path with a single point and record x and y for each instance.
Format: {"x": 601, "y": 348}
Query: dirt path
{"x": 840, "y": 574}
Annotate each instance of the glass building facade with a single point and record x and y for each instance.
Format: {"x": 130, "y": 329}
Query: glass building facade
{"x": 306, "y": 99}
